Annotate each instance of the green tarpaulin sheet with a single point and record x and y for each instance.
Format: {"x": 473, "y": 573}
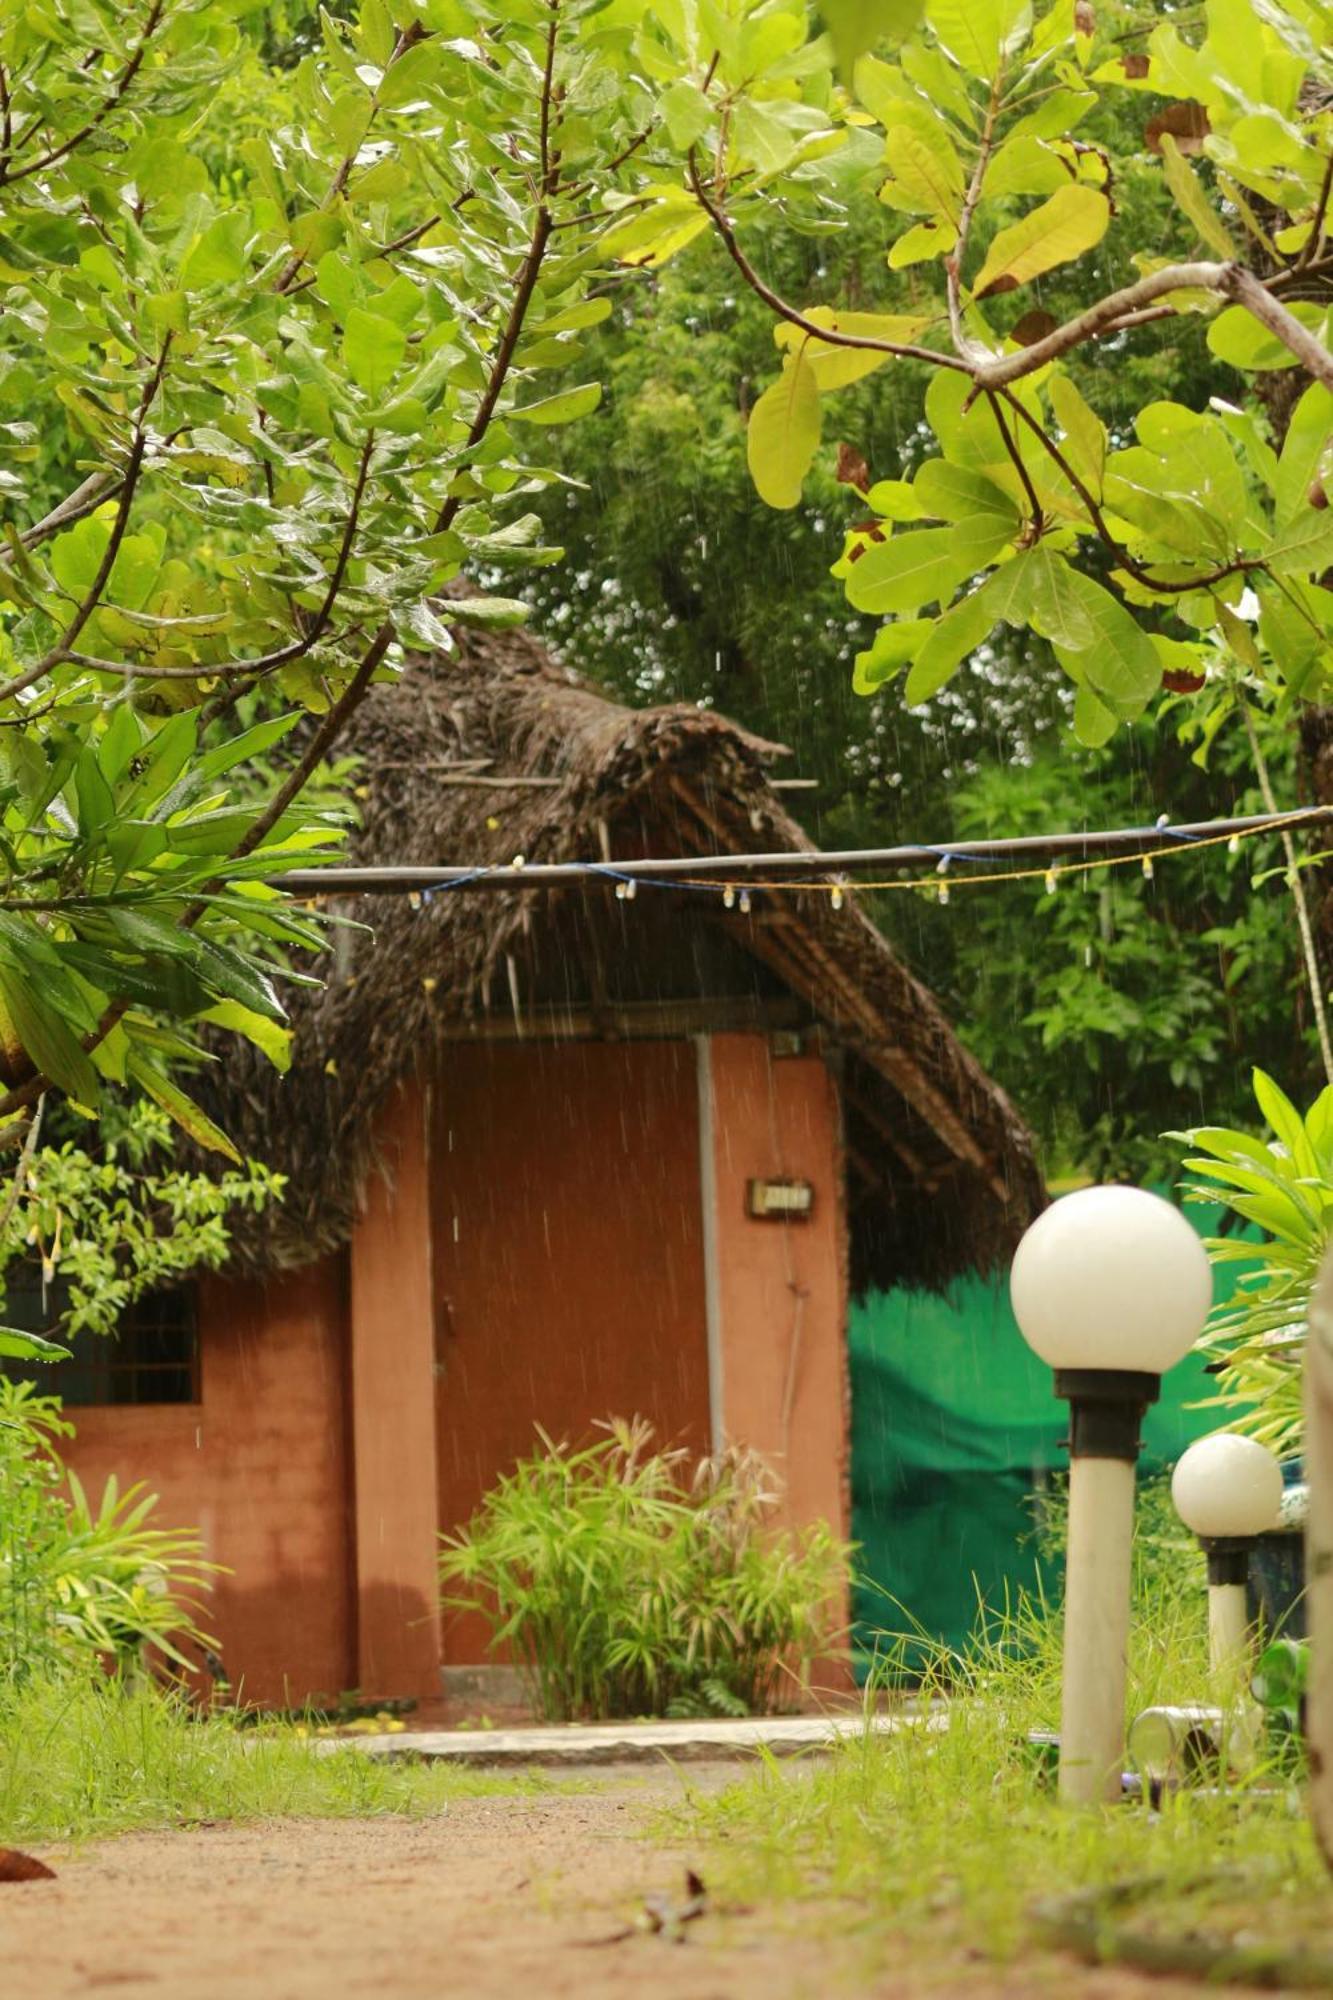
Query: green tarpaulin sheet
{"x": 955, "y": 1427}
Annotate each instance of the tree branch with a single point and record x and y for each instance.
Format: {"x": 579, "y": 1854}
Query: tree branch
{"x": 122, "y": 84}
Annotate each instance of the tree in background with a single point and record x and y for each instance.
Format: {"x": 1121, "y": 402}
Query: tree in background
{"x": 1106, "y": 1029}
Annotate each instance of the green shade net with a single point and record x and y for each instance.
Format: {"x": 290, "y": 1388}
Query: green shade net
{"x": 955, "y": 1428}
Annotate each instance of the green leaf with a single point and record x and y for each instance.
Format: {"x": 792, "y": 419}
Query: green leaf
{"x": 977, "y": 32}
{"x": 964, "y": 627}
{"x": 927, "y": 172}
{"x": 924, "y": 566}
{"x": 16, "y": 1345}
{"x": 1236, "y": 337}
{"x": 835, "y": 367}
{"x": 783, "y": 434}
{"x": 1185, "y": 185}
{"x": 274, "y": 1041}
{"x": 1071, "y": 222}
{"x": 687, "y": 112}
{"x": 1304, "y": 544}
{"x": 893, "y": 646}
{"x": 921, "y": 242}
{"x": 561, "y": 409}
{"x": 220, "y": 256}
{"x": 1085, "y": 435}
{"x": 950, "y": 492}
{"x": 857, "y": 26}
{"x": 49, "y": 1040}
{"x": 373, "y": 348}
{"x": 182, "y": 1110}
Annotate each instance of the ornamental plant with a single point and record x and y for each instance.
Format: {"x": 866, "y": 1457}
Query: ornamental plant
{"x": 1284, "y": 1187}
{"x": 84, "y": 1588}
{"x": 623, "y": 1584}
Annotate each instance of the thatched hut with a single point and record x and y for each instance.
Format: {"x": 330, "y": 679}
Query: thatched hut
{"x": 552, "y": 1155}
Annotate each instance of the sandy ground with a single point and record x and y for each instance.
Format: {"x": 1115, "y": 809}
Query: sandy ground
{"x": 494, "y": 1899}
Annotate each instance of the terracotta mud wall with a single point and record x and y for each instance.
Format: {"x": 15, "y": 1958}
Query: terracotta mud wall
{"x": 261, "y": 1467}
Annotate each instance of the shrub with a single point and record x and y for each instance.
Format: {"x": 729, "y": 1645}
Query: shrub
{"x": 78, "y": 1585}
{"x": 625, "y": 1585}
{"x": 1284, "y": 1186}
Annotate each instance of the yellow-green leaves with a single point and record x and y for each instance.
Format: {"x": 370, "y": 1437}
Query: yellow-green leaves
{"x": 927, "y": 172}
{"x": 835, "y": 366}
{"x": 783, "y": 433}
{"x": 1188, "y": 191}
{"x": 373, "y": 348}
{"x": 978, "y": 33}
{"x": 1071, "y": 222}
{"x": 561, "y": 409}
{"x": 856, "y": 26}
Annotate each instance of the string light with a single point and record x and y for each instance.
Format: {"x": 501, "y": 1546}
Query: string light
{"x": 1048, "y": 873}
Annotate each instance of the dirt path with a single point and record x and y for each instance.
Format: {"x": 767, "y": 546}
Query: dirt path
{"x": 495, "y": 1899}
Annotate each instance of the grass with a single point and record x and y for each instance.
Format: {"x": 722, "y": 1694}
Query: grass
{"x": 78, "y": 1761}
{"x": 945, "y": 1839}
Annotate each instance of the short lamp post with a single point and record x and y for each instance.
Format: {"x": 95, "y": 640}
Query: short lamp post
{"x": 1228, "y": 1491}
{"x": 1111, "y": 1287}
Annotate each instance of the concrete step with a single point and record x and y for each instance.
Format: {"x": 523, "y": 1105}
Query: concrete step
{"x": 556, "y": 1745}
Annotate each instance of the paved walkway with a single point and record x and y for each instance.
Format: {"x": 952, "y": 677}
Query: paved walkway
{"x": 619, "y": 1742}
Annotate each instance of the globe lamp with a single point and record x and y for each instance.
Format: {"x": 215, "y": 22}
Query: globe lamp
{"x": 1228, "y": 1490}
{"x": 1111, "y": 1287}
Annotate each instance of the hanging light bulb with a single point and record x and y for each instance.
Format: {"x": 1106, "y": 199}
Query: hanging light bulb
{"x": 728, "y": 898}
{"x": 631, "y": 890}
{"x": 1050, "y": 881}
{"x": 837, "y": 897}
{"x": 943, "y": 892}
{"x": 745, "y": 902}
{"x": 622, "y": 890}
{"x": 1233, "y": 845}
{"x": 1147, "y": 868}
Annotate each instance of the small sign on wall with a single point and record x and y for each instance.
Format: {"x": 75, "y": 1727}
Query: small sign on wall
{"x": 779, "y": 1201}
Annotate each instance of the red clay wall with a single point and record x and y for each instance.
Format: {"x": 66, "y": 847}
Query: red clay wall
{"x": 780, "y": 1297}
{"x": 262, "y": 1469}
{"x": 568, "y": 1257}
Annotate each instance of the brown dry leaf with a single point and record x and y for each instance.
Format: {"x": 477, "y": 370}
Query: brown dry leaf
{"x": 1085, "y": 18}
{"x": 852, "y": 468}
{"x": 1135, "y": 63}
{"x": 1186, "y": 122}
{"x": 1033, "y": 326}
{"x": 16, "y": 1867}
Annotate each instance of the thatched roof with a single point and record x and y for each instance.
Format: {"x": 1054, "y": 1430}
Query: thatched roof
{"x": 940, "y": 1167}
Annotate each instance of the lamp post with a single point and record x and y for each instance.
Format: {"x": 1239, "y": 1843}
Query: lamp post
{"x": 1111, "y": 1287}
{"x": 1227, "y": 1490}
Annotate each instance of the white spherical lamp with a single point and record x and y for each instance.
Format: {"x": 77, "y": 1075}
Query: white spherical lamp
{"x": 1227, "y": 1487}
{"x": 1111, "y": 1286}
{"x": 1111, "y": 1277}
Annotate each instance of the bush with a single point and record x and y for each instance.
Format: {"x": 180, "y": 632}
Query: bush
{"x": 79, "y": 1587}
{"x": 625, "y": 1586}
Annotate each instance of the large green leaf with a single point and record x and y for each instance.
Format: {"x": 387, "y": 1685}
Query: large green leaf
{"x": 926, "y": 565}
{"x": 560, "y": 409}
{"x": 858, "y": 26}
{"x": 373, "y": 349}
{"x": 783, "y": 434}
{"x": 976, "y": 32}
{"x": 181, "y": 1109}
{"x": 1066, "y": 225}
{"x": 15, "y": 1345}
{"x": 835, "y": 367}
{"x": 961, "y": 630}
